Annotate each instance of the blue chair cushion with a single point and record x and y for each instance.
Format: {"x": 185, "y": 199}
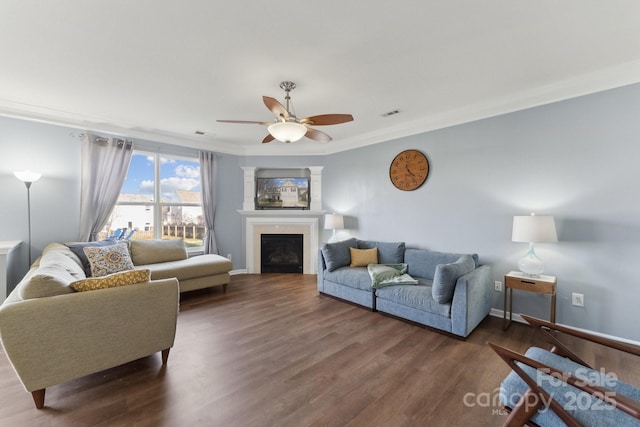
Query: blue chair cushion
{"x": 587, "y": 410}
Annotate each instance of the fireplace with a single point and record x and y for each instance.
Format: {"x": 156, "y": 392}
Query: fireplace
{"x": 282, "y": 221}
{"x": 281, "y": 253}
{"x": 268, "y": 222}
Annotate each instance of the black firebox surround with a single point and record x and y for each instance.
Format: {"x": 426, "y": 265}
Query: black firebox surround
{"x": 281, "y": 253}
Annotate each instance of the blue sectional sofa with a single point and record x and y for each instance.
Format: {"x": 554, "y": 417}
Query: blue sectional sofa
{"x": 450, "y": 292}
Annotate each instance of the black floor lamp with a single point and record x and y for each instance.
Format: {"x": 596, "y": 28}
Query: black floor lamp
{"x": 28, "y": 177}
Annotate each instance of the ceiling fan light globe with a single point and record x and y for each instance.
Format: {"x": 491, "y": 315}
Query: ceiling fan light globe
{"x": 287, "y": 131}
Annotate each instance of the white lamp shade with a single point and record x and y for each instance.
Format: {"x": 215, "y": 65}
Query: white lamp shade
{"x": 333, "y": 222}
{"x": 534, "y": 229}
{"x": 287, "y": 131}
{"x": 27, "y": 176}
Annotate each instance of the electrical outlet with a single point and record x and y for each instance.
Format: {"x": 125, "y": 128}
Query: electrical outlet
{"x": 497, "y": 286}
{"x": 229, "y": 257}
{"x": 577, "y": 299}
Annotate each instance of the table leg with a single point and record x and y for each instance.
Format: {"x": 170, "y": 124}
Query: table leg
{"x": 505, "y": 322}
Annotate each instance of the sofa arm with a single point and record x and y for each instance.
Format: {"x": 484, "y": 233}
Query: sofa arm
{"x": 55, "y": 339}
{"x": 321, "y": 267}
{"x": 471, "y": 300}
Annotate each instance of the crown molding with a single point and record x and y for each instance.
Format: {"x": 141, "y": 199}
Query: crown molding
{"x": 585, "y": 84}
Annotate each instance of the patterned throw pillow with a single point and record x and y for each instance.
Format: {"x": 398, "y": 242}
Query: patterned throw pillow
{"x": 112, "y": 280}
{"x": 78, "y": 249}
{"x": 108, "y": 259}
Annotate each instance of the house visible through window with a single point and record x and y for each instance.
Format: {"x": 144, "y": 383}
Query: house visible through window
{"x": 160, "y": 199}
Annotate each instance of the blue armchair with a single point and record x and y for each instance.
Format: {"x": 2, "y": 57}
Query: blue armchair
{"x": 557, "y": 388}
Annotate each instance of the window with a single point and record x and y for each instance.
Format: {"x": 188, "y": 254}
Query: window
{"x": 160, "y": 199}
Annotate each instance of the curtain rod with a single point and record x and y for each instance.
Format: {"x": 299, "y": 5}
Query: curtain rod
{"x": 101, "y": 139}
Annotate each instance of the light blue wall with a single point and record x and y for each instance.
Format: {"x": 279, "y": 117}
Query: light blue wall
{"x": 55, "y": 198}
{"x": 576, "y": 160}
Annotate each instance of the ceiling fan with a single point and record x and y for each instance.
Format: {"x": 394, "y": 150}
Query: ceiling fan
{"x": 286, "y": 127}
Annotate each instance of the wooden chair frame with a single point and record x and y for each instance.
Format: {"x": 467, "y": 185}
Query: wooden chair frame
{"x": 530, "y": 401}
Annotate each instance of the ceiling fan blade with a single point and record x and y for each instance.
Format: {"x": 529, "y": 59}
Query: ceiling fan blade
{"x": 268, "y": 138}
{"x": 327, "y": 119}
{"x": 245, "y": 122}
{"x": 316, "y": 135}
{"x": 275, "y": 107}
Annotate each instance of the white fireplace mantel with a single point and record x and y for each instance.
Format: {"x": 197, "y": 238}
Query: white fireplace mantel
{"x": 283, "y": 221}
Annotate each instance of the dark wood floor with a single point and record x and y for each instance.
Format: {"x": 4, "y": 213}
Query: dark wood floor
{"x": 272, "y": 352}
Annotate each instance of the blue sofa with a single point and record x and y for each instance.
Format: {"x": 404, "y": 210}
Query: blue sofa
{"x": 452, "y": 293}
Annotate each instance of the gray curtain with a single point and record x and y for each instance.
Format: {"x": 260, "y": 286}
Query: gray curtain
{"x": 105, "y": 162}
{"x": 208, "y": 178}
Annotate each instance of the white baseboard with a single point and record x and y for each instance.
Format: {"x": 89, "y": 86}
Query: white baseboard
{"x": 240, "y": 271}
{"x": 495, "y": 312}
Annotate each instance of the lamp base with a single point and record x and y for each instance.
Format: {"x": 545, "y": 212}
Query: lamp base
{"x": 530, "y": 264}
{"x": 333, "y": 238}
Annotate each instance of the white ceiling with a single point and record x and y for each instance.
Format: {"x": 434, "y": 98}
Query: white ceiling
{"x": 160, "y": 69}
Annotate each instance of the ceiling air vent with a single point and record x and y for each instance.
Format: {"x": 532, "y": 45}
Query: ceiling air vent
{"x": 390, "y": 113}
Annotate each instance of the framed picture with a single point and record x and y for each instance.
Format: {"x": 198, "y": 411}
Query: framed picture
{"x": 282, "y": 193}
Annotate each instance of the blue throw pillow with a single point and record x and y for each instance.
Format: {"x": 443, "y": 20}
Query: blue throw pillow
{"x": 446, "y": 276}
{"x": 78, "y": 249}
{"x": 337, "y": 254}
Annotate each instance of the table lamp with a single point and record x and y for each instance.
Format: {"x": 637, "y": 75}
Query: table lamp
{"x": 333, "y": 222}
{"x": 533, "y": 229}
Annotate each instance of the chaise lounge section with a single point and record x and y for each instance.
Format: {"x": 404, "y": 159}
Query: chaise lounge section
{"x": 169, "y": 258}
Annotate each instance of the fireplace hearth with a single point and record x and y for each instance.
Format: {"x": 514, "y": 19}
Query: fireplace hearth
{"x": 281, "y": 253}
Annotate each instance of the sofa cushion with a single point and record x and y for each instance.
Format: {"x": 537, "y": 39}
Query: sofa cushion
{"x": 190, "y": 268}
{"x": 154, "y": 251}
{"x": 351, "y": 277}
{"x": 108, "y": 259}
{"x": 62, "y": 249}
{"x": 363, "y": 257}
{"x": 388, "y": 252}
{"x": 337, "y": 254}
{"x": 78, "y": 249}
{"x": 46, "y": 282}
{"x": 113, "y": 280}
{"x": 57, "y": 267}
{"x": 446, "y": 276}
{"x": 60, "y": 256}
{"x": 418, "y": 297}
{"x": 423, "y": 262}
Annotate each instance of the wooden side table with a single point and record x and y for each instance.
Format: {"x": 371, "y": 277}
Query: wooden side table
{"x": 518, "y": 280}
